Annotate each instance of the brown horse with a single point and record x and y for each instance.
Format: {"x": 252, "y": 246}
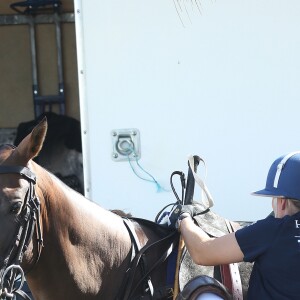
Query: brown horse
{"x": 86, "y": 249}
{"x": 69, "y": 247}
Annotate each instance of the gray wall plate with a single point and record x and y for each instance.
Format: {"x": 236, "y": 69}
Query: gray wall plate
{"x": 125, "y": 144}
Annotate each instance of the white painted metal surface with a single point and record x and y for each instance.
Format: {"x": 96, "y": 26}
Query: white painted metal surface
{"x": 80, "y": 45}
{"x": 222, "y": 82}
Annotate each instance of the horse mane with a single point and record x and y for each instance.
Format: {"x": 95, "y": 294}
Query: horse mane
{"x": 121, "y": 213}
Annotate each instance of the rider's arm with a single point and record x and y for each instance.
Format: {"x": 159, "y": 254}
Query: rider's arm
{"x": 209, "y": 251}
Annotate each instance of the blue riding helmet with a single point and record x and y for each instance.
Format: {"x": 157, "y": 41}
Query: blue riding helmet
{"x": 283, "y": 179}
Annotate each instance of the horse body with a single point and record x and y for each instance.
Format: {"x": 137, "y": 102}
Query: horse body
{"x": 86, "y": 249}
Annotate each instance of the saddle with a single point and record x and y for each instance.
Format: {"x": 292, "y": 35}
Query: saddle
{"x": 192, "y": 277}
{"x": 203, "y": 284}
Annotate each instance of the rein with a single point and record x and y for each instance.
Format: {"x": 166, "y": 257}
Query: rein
{"x": 28, "y": 219}
{"x": 139, "y": 259}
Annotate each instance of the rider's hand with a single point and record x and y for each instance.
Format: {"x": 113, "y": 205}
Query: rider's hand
{"x": 182, "y": 211}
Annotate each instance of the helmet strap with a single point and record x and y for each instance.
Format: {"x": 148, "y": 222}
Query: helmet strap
{"x": 275, "y": 206}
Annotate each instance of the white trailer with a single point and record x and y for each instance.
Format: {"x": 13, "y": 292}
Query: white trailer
{"x": 215, "y": 78}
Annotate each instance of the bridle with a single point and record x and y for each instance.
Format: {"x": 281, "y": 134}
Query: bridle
{"x": 28, "y": 219}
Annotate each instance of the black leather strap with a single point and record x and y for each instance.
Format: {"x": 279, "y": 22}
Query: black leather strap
{"x": 23, "y": 294}
{"x": 23, "y": 171}
{"x": 129, "y": 289}
{"x": 28, "y": 218}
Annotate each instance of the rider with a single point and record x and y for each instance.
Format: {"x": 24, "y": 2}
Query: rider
{"x": 273, "y": 244}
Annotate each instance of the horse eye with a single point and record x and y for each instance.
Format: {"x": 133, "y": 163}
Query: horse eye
{"x": 15, "y": 207}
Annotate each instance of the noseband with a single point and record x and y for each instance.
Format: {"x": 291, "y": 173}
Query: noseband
{"x": 28, "y": 219}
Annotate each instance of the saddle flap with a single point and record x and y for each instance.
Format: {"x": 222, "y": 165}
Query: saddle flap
{"x": 189, "y": 270}
{"x": 212, "y": 224}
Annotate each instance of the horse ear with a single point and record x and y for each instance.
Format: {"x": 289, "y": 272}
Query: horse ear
{"x": 32, "y": 144}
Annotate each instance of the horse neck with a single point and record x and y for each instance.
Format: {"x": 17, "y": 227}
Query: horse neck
{"x": 79, "y": 232}
{"x": 64, "y": 208}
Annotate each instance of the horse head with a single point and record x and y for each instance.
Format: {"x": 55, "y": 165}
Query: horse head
{"x": 19, "y": 205}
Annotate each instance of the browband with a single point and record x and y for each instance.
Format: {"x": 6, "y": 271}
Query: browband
{"x": 23, "y": 171}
